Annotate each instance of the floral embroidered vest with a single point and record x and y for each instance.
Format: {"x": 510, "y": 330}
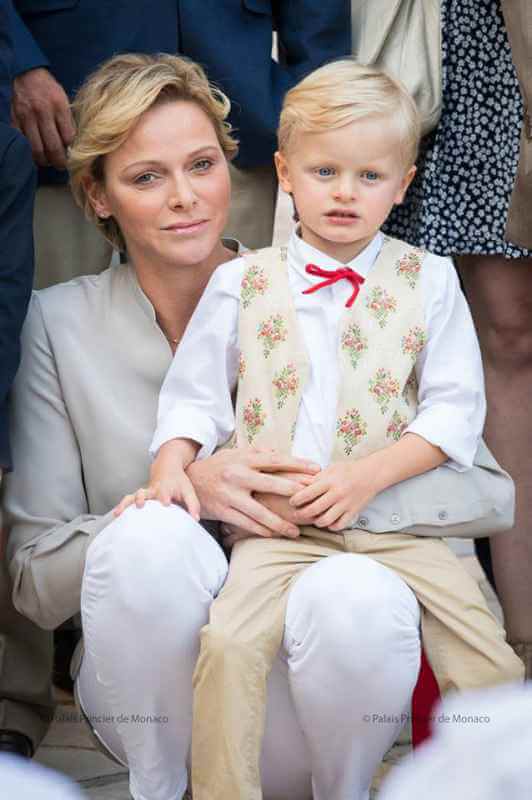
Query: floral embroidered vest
{"x": 380, "y": 338}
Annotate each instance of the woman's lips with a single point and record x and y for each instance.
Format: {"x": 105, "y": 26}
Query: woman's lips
{"x": 186, "y": 227}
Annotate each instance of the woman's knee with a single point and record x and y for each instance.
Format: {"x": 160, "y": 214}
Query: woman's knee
{"x": 349, "y": 604}
{"x": 156, "y": 550}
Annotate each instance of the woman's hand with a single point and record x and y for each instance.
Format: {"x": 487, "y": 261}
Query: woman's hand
{"x": 227, "y": 484}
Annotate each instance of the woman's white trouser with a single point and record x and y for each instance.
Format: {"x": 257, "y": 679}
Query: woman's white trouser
{"x": 340, "y": 685}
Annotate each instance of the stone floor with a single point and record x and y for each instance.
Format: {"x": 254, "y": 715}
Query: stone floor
{"x": 69, "y": 748}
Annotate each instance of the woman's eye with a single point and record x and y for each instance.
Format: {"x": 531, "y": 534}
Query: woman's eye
{"x": 202, "y": 165}
{"x": 325, "y": 172}
{"x": 370, "y": 175}
{"x": 145, "y": 178}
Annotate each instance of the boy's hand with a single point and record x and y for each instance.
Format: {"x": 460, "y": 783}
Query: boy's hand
{"x": 336, "y": 495}
{"x": 179, "y": 490}
{"x": 168, "y": 481}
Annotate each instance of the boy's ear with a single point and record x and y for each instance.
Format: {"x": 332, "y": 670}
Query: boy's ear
{"x": 405, "y": 183}
{"x": 97, "y": 196}
{"x": 283, "y": 176}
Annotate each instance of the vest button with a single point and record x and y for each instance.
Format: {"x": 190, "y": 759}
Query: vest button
{"x": 395, "y": 519}
{"x": 443, "y": 515}
{"x": 363, "y": 522}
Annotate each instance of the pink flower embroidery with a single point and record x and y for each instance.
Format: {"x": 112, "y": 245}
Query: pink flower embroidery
{"x": 414, "y": 342}
{"x": 254, "y": 418}
{"x": 286, "y": 383}
{"x": 241, "y": 366}
{"x": 396, "y": 426}
{"x": 272, "y": 332}
{"x": 409, "y": 266}
{"x": 383, "y": 387}
{"x": 351, "y": 428}
{"x": 354, "y": 343}
{"x": 380, "y": 304}
{"x": 253, "y": 283}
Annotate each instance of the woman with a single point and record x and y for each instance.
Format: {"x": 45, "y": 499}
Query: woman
{"x": 458, "y": 206}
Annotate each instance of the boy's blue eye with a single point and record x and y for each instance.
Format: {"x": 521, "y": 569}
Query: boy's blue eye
{"x": 325, "y": 172}
{"x": 370, "y": 175}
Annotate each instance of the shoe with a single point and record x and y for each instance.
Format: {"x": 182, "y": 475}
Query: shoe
{"x": 16, "y": 743}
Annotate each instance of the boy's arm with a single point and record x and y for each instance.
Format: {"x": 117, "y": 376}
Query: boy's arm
{"x": 338, "y": 494}
{"x": 451, "y": 399}
{"x": 410, "y": 456}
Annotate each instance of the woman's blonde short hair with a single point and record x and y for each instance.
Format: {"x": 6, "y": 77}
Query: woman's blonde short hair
{"x": 112, "y": 100}
{"x": 343, "y": 92}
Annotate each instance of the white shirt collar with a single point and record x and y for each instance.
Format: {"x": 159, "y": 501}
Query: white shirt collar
{"x": 300, "y": 254}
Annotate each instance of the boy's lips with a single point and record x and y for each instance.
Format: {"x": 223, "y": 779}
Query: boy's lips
{"x": 337, "y": 212}
{"x": 342, "y": 217}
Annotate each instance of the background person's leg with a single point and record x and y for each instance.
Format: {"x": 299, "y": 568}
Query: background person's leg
{"x": 253, "y": 199}
{"x": 26, "y": 657}
{"x": 66, "y": 244}
{"x": 499, "y": 292}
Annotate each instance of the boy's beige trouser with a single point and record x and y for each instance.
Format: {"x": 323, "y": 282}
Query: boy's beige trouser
{"x": 462, "y": 640}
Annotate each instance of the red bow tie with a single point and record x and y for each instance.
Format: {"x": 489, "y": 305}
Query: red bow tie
{"x": 333, "y": 275}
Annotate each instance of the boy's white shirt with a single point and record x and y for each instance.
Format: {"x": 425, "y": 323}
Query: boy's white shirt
{"x": 195, "y": 400}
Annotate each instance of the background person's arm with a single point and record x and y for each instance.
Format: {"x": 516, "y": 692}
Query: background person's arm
{"x": 40, "y": 106}
{"x": 17, "y": 185}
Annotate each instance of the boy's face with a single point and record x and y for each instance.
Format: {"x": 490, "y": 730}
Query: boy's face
{"x": 344, "y": 183}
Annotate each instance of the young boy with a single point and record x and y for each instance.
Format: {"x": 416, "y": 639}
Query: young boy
{"x": 349, "y": 348}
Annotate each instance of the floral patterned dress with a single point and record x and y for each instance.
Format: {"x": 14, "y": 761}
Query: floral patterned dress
{"x": 458, "y": 202}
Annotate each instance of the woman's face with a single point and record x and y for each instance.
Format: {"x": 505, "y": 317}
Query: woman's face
{"x": 167, "y": 186}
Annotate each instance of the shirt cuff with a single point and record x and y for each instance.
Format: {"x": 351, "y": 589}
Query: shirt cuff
{"x": 186, "y": 423}
{"x": 442, "y": 428}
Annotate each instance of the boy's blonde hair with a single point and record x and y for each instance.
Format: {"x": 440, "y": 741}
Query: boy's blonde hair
{"x": 111, "y": 102}
{"x": 343, "y": 92}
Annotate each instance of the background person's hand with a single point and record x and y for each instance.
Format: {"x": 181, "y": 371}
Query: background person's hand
{"x": 41, "y": 111}
{"x": 226, "y": 484}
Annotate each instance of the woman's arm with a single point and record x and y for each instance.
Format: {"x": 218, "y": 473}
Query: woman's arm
{"x": 45, "y": 504}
